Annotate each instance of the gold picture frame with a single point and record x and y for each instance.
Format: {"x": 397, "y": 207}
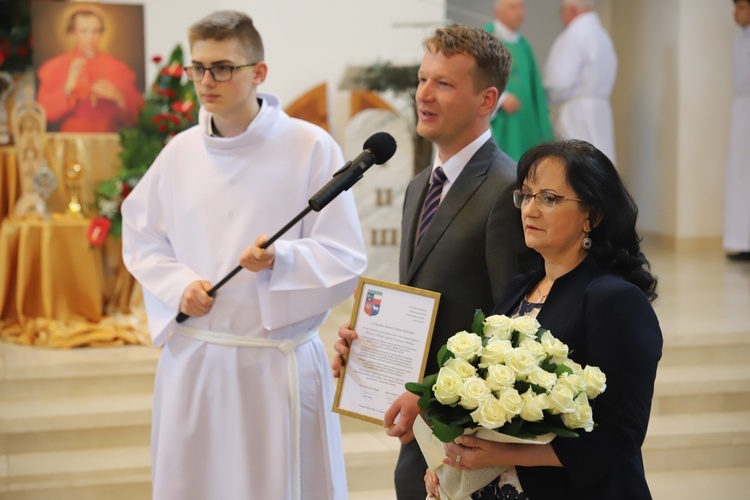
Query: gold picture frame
{"x": 394, "y": 325}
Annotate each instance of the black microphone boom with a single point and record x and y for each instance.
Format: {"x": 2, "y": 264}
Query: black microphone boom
{"x": 378, "y": 149}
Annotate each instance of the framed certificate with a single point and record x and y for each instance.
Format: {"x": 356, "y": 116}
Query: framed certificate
{"x": 394, "y": 325}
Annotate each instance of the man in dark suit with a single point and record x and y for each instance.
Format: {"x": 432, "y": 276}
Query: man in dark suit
{"x": 461, "y": 239}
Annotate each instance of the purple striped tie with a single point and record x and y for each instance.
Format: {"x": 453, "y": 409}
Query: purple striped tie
{"x": 432, "y": 201}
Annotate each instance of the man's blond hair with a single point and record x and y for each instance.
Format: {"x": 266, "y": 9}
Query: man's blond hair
{"x": 492, "y": 58}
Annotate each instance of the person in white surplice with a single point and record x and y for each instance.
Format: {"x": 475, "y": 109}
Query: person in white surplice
{"x": 737, "y": 202}
{"x": 243, "y": 396}
{"x": 579, "y": 76}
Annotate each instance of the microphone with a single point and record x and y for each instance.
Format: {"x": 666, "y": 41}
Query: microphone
{"x": 378, "y": 149}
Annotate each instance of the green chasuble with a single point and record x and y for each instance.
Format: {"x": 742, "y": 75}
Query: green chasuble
{"x": 530, "y": 125}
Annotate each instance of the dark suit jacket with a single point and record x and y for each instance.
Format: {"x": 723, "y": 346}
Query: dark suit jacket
{"x": 468, "y": 254}
{"x": 606, "y": 322}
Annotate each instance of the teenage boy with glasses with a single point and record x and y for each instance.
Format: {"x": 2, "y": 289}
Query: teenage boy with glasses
{"x": 242, "y": 394}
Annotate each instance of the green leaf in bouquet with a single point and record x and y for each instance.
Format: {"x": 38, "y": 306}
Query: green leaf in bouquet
{"x": 553, "y": 424}
{"x": 444, "y": 355}
{"x": 464, "y": 420}
{"x": 521, "y": 386}
{"x": 563, "y": 369}
{"x": 514, "y": 338}
{"x": 549, "y": 367}
{"x": 416, "y": 388}
{"x": 425, "y": 401}
{"x": 564, "y": 432}
{"x": 513, "y": 428}
{"x": 477, "y": 326}
{"x": 445, "y": 432}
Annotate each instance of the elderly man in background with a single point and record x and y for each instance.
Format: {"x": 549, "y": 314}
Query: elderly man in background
{"x": 522, "y": 119}
{"x": 579, "y": 77}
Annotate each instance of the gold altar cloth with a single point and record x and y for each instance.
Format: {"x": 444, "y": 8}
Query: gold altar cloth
{"x": 55, "y": 290}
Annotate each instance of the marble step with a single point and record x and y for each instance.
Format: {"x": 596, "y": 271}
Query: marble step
{"x": 123, "y": 473}
{"x": 33, "y": 373}
{"x": 731, "y": 347}
{"x": 701, "y": 388}
{"x": 56, "y": 421}
{"x": 698, "y": 441}
{"x": 733, "y": 484}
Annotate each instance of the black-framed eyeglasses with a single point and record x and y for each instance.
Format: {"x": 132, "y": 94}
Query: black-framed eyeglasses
{"x": 219, "y": 72}
{"x": 544, "y": 200}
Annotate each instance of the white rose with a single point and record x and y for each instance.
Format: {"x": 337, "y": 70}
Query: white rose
{"x": 447, "y": 386}
{"x": 490, "y": 413}
{"x": 573, "y": 365}
{"x": 500, "y": 377}
{"x": 542, "y": 378}
{"x": 497, "y": 326}
{"x": 582, "y": 417}
{"x": 494, "y": 352}
{"x": 596, "y": 381}
{"x": 574, "y": 381}
{"x": 472, "y": 392}
{"x": 561, "y": 399}
{"x": 465, "y": 345}
{"x": 525, "y": 325}
{"x": 554, "y": 347}
{"x": 461, "y": 366}
{"x": 511, "y": 402}
{"x": 535, "y": 348}
{"x": 521, "y": 361}
{"x": 534, "y": 406}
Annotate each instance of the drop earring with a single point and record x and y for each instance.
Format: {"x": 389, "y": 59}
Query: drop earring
{"x": 587, "y": 243}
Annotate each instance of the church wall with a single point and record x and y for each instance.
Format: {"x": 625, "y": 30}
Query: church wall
{"x": 308, "y": 42}
{"x": 645, "y": 108}
{"x": 706, "y": 38}
{"x": 671, "y": 100}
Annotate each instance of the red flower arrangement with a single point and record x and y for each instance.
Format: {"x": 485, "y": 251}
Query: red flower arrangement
{"x": 170, "y": 109}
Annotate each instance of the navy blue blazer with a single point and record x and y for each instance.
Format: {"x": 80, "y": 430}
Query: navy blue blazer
{"x": 606, "y": 322}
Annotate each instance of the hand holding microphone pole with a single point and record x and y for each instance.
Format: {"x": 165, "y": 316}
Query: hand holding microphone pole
{"x": 378, "y": 149}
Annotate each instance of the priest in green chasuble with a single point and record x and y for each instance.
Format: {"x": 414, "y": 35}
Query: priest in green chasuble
{"x": 522, "y": 119}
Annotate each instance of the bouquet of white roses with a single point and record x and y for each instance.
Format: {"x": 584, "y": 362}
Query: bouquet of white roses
{"x": 511, "y": 377}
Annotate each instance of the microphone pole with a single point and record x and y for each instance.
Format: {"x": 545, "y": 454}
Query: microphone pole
{"x": 182, "y": 316}
{"x": 343, "y": 179}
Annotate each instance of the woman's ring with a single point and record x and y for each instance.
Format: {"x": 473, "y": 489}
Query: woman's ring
{"x": 458, "y": 459}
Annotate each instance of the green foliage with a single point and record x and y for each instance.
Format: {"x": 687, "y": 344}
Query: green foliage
{"x": 477, "y": 326}
{"x": 170, "y": 107}
{"x": 384, "y": 76}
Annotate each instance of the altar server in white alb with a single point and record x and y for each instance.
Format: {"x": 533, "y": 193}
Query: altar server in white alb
{"x": 243, "y": 396}
{"x": 737, "y": 201}
{"x": 579, "y": 76}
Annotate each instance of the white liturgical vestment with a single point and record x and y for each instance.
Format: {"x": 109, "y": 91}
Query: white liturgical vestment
{"x": 737, "y": 201}
{"x": 225, "y": 413}
{"x": 579, "y": 76}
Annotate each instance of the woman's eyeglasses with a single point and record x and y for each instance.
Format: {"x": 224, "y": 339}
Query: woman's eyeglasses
{"x": 545, "y": 201}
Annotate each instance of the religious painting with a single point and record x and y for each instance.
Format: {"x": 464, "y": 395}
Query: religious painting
{"x": 89, "y": 60}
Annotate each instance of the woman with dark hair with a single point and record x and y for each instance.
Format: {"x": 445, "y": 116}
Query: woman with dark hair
{"x": 593, "y": 290}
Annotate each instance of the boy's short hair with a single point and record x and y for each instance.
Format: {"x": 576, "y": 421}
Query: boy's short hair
{"x": 228, "y": 25}
{"x": 492, "y": 58}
